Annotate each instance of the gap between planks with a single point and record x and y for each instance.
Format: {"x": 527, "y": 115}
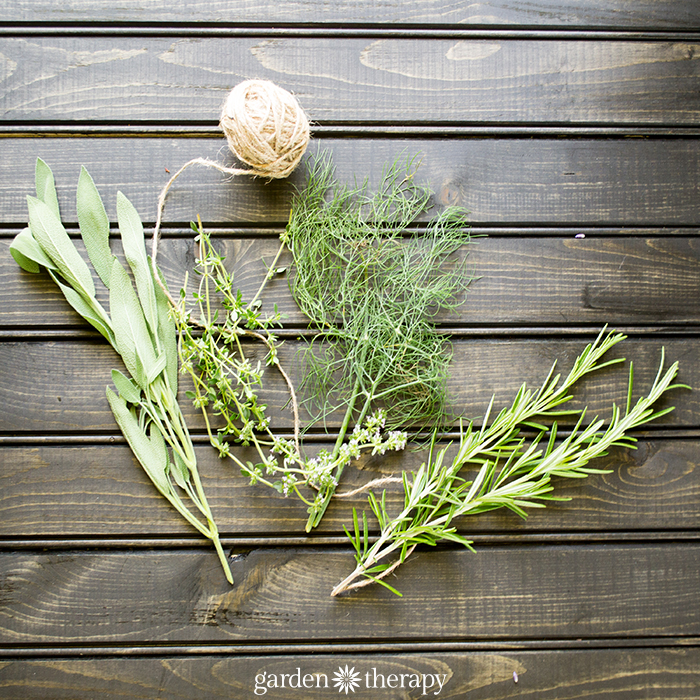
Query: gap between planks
{"x": 333, "y": 647}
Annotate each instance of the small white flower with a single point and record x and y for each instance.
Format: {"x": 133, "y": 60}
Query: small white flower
{"x": 346, "y": 679}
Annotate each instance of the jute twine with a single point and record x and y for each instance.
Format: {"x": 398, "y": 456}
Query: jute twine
{"x": 265, "y": 128}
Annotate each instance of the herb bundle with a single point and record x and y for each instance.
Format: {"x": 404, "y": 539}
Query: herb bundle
{"x": 138, "y": 326}
{"x": 513, "y": 473}
{"x": 370, "y": 291}
{"x": 371, "y": 284}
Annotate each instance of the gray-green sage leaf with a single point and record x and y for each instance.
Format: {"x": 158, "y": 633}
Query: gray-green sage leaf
{"x": 28, "y": 254}
{"x": 48, "y": 231}
{"x": 131, "y": 333}
{"x": 149, "y": 457}
{"x": 126, "y": 387}
{"x": 131, "y": 230}
{"x": 90, "y": 309}
{"x": 46, "y": 187}
{"x": 94, "y": 226}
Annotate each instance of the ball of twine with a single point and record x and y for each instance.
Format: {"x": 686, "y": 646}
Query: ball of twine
{"x": 265, "y": 128}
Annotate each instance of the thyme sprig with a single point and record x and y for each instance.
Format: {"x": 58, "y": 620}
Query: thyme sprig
{"x": 512, "y": 474}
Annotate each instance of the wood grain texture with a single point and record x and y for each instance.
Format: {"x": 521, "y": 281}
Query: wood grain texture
{"x": 59, "y": 387}
{"x": 523, "y": 113}
{"x": 621, "y": 591}
{"x": 99, "y": 491}
{"x": 661, "y": 674}
{"x": 618, "y": 14}
{"x": 610, "y": 182}
{"x": 349, "y": 80}
{"x": 558, "y": 280}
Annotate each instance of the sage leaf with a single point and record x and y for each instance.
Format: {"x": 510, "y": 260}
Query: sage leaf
{"x": 140, "y": 374}
{"x": 127, "y": 389}
{"x": 94, "y": 226}
{"x": 46, "y": 187}
{"x": 133, "y": 340}
{"x": 167, "y": 336}
{"x": 148, "y": 456}
{"x": 160, "y": 450}
{"x": 48, "y": 231}
{"x": 131, "y": 230}
{"x": 91, "y": 310}
{"x": 157, "y": 368}
{"x": 28, "y": 254}
{"x": 27, "y": 264}
{"x": 172, "y": 469}
{"x": 180, "y": 472}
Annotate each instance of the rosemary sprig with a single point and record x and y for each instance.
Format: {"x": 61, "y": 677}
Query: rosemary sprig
{"x": 371, "y": 291}
{"x": 139, "y": 328}
{"x": 512, "y": 473}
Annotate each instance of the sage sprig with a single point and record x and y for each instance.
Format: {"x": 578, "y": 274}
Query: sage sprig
{"x": 512, "y": 474}
{"x": 138, "y": 326}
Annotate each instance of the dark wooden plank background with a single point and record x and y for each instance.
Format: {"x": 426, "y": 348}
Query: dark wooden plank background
{"x": 570, "y": 131}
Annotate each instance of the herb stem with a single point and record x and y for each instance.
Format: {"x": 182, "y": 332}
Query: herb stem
{"x": 437, "y": 495}
{"x": 268, "y": 276}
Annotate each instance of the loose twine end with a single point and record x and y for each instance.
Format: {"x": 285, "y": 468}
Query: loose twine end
{"x": 265, "y": 128}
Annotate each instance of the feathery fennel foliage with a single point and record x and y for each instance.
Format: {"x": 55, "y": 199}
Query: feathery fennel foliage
{"x": 371, "y": 289}
{"x": 513, "y": 473}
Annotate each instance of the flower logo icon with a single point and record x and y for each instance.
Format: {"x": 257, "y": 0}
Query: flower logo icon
{"x": 346, "y": 679}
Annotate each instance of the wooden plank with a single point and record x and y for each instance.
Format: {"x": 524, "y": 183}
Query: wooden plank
{"x": 611, "y": 182}
{"x": 126, "y": 79}
{"x": 616, "y": 591}
{"x": 93, "y": 491}
{"x": 661, "y": 674}
{"x": 618, "y": 14}
{"x": 58, "y": 387}
{"x": 556, "y": 281}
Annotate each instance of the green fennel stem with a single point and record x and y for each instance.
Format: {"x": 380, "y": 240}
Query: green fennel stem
{"x": 319, "y": 507}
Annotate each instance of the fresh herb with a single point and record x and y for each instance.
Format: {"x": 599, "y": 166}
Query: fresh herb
{"x": 513, "y": 473}
{"x": 371, "y": 286}
{"x": 371, "y": 290}
{"x": 214, "y": 323}
{"x": 212, "y": 334}
{"x": 139, "y": 328}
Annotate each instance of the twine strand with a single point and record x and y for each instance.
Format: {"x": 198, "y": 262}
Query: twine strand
{"x": 267, "y": 130}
